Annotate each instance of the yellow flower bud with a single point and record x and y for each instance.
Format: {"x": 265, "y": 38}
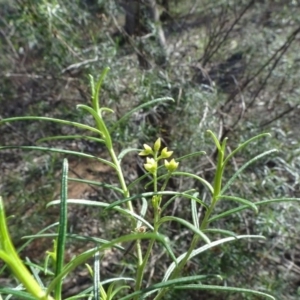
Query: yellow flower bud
{"x": 156, "y": 201}
{"x": 150, "y": 165}
{"x": 171, "y": 165}
{"x": 157, "y": 145}
{"x": 165, "y": 153}
{"x": 147, "y": 151}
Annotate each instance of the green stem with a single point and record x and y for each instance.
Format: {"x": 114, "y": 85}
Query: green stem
{"x": 217, "y": 186}
{"x": 126, "y": 192}
{"x": 195, "y": 240}
{"x": 156, "y": 211}
{"x": 9, "y": 254}
{"x": 180, "y": 266}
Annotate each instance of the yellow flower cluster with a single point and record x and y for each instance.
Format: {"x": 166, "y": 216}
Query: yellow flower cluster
{"x": 152, "y": 162}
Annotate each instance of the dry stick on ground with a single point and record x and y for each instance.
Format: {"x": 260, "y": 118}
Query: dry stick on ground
{"x": 279, "y": 116}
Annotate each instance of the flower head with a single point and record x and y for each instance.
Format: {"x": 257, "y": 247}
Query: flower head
{"x": 150, "y": 165}
{"x": 165, "y": 153}
{"x": 147, "y": 151}
{"x": 171, "y": 165}
{"x": 157, "y": 145}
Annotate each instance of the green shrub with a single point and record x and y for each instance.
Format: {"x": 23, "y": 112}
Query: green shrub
{"x": 147, "y": 234}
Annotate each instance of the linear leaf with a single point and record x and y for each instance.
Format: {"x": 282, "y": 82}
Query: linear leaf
{"x": 222, "y": 289}
{"x": 243, "y": 167}
{"x": 186, "y": 224}
{"x": 65, "y": 122}
{"x": 97, "y": 183}
{"x": 169, "y": 283}
{"x": 70, "y": 137}
{"x": 240, "y": 200}
{"x": 81, "y": 258}
{"x": 149, "y": 103}
{"x": 105, "y": 205}
{"x": 62, "y": 228}
{"x": 60, "y": 151}
{"x": 243, "y": 207}
{"x": 205, "y": 248}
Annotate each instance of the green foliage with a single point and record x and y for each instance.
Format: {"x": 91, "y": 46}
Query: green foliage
{"x": 232, "y": 68}
{"x": 205, "y": 236}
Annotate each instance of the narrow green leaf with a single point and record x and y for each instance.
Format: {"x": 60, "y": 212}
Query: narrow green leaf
{"x": 240, "y": 200}
{"x": 217, "y": 143}
{"x": 144, "y": 209}
{"x": 243, "y": 167}
{"x": 28, "y": 242}
{"x": 109, "y": 291}
{"x": 186, "y": 224}
{"x": 166, "y": 284}
{"x": 222, "y": 289}
{"x": 96, "y": 90}
{"x": 65, "y": 122}
{"x": 107, "y": 109}
{"x": 187, "y": 195}
{"x": 35, "y": 269}
{"x": 19, "y": 294}
{"x": 243, "y": 207}
{"x": 60, "y": 151}
{"x": 191, "y": 155}
{"x": 118, "y": 289}
{"x": 243, "y": 145}
{"x": 62, "y": 228}
{"x": 205, "y": 248}
{"x": 151, "y": 194}
{"x": 97, "y": 183}
{"x": 70, "y": 137}
{"x": 92, "y": 85}
{"x": 126, "y": 151}
{"x": 100, "y": 124}
{"x": 77, "y": 237}
{"x": 105, "y": 205}
{"x": 149, "y": 103}
{"x": 203, "y": 181}
{"x": 195, "y": 212}
{"x": 96, "y": 279}
{"x": 220, "y": 231}
{"x": 87, "y": 291}
{"x": 10, "y": 256}
{"x": 81, "y": 258}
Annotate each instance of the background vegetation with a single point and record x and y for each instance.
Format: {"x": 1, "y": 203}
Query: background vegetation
{"x": 231, "y": 66}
